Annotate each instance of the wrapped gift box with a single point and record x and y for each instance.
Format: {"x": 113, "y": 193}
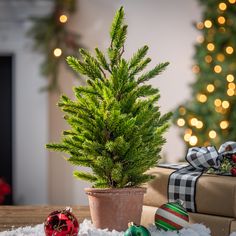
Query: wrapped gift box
{"x": 215, "y": 194}
{"x": 215, "y": 200}
{"x": 219, "y": 225}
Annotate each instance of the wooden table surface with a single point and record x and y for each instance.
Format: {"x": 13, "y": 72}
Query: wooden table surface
{"x": 31, "y": 215}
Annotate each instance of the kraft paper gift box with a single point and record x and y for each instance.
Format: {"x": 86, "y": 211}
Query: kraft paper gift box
{"x": 215, "y": 200}
{"x": 219, "y": 225}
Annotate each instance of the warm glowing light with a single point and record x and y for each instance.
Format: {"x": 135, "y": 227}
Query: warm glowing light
{"x": 212, "y": 134}
{"x": 207, "y": 24}
{"x": 207, "y": 143}
{"x": 230, "y": 92}
{"x": 217, "y": 69}
{"x": 232, "y": 1}
{"x": 230, "y": 78}
{"x": 208, "y": 59}
{"x": 219, "y": 110}
{"x": 224, "y": 124}
{"x": 199, "y": 124}
{"x": 195, "y": 69}
{"x": 221, "y": 20}
{"x": 200, "y": 39}
{"x": 200, "y": 25}
{"x": 225, "y": 104}
{"x": 220, "y": 57}
{"x": 57, "y": 52}
{"x": 229, "y": 50}
{"x": 210, "y": 46}
{"x": 188, "y": 131}
{"x": 217, "y": 102}
{"x": 193, "y": 121}
{"x": 201, "y": 97}
{"x": 231, "y": 85}
{"x": 180, "y": 122}
{"x": 63, "y": 18}
{"x": 210, "y": 88}
{"x": 182, "y": 111}
{"x": 187, "y": 137}
{"x": 193, "y": 140}
{"x": 222, "y": 29}
{"x": 222, "y": 6}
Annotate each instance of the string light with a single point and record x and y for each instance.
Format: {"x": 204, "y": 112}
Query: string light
{"x": 201, "y": 98}
{"x": 212, "y": 134}
{"x": 217, "y": 69}
{"x": 210, "y": 46}
{"x": 210, "y": 88}
{"x": 229, "y": 50}
{"x": 230, "y": 92}
{"x": 224, "y": 124}
{"x": 208, "y": 59}
{"x": 225, "y": 104}
{"x": 231, "y": 85}
{"x": 187, "y": 137}
{"x": 188, "y": 131}
{"x": 206, "y": 143}
{"x": 180, "y": 122}
{"x": 193, "y": 140}
{"x": 217, "y": 102}
{"x": 222, "y": 6}
{"x": 232, "y": 1}
{"x": 199, "y": 124}
{"x": 221, "y": 20}
{"x": 195, "y": 69}
{"x": 193, "y": 121}
{"x": 207, "y": 24}
{"x": 220, "y": 57}
{"x": 200, "y": 39}
{"x": 182, "y": 111}
{"x": 63, "y": 18}
{"x": 200, "y": 25}
{"x": 219, "y": 110}
{"x": 57, "y": 52}
{"x": 222, "y": 29}
{"x": 230, "y": 78}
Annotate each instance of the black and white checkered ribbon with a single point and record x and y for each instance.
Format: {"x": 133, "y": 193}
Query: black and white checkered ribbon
{"x": 182, "y": 183}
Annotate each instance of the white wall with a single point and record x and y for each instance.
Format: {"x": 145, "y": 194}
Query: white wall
{"x": 30, "y": 121}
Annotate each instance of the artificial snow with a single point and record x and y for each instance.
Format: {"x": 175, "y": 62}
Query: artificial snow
{"x": 87, "y": 229}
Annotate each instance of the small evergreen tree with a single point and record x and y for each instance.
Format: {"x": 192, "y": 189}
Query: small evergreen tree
{"x": 116, "y": 126}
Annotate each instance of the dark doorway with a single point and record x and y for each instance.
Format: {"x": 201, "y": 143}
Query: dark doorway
{"x": 6, "y": 122}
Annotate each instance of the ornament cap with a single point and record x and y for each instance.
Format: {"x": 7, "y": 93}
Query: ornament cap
{"x": 131, "y": 224}
{"x": 69, "y": 209}
{"x": 181, "y": 202}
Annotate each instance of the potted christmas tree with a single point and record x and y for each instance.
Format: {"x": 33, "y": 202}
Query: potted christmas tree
{"x": 116, "y": 128}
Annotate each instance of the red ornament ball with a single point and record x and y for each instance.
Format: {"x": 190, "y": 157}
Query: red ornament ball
{"x": 61, "y": 223}
{"x": 233, "y": 171}
{"x": 234, "y": 158}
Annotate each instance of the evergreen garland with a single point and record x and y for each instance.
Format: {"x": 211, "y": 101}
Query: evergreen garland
{"x": 116, "y": 126}
{"x": 53, "y": 39}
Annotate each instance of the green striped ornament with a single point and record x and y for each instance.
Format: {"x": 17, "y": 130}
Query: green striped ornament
{"x": 171, "y": 216}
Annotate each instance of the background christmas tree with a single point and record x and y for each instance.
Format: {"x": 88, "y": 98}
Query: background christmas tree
{"x": 209, "y": 117}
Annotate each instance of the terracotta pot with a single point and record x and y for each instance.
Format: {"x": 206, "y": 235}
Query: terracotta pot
{"x": 115, "y": 208}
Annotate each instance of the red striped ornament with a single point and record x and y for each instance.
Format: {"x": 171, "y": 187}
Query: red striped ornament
{"x": 171, "y": 216}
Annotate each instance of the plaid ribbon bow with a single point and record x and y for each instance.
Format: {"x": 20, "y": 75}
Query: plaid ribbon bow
{"x": 182, "y": 183}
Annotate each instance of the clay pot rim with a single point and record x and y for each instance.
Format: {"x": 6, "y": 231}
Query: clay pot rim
{"x": 116, "y": 190}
